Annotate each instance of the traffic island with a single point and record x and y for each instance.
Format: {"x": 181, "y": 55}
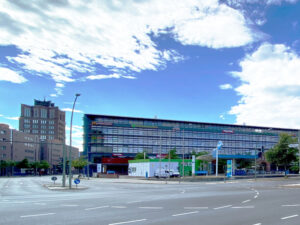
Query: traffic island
{"x": 66, "y": 188}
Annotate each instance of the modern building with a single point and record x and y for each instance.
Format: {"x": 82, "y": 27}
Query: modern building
{"x": 52, "y": 152}
{"x": 43, "y": 119}
{"x": 16, "y": 145}
{"x": 108, "y": 136}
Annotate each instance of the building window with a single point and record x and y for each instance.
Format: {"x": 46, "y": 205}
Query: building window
{"x": 43, "y": 137}
{"x": 35, "y": 131}
{"x": 35, "y": 126}
{"x": 26, "y": 125}
{"x": 43, "y": 113}
{"x": 26, "y": 121}
{"x": 43, "y": 127}
{"x": 43, "y": 121}
{"x": 51, "y": 127}
{"x": 27, "y": 112}
{"x": 3, "y": 147}
{"x": 35, "y": 121}
{"x": 52, "y": 113}
{"x": 35, "y": 112}
{"x": 43, "y": 132}
{"x": 51, "y": 121}
{"x": 2, "y": 132}
{"x": 50, "y": 137}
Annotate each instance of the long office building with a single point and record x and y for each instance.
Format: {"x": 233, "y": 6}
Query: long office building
{"x": 107, "y": 137}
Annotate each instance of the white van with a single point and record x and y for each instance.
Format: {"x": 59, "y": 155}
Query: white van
{"x": 166, "y": 173}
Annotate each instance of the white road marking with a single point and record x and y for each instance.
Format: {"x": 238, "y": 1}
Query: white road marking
{"x": 243, "y": 207}
{"x": 255, "y": 196}
{"x": 288, "y": 217}
{"x": 257, "y": 224}
{"x": 291, "y": 205}
{"x": 119, "y": 207}
{"x": 222, "y": 207}
{"x": 150, "y": 207}
{"x": 133, "y": 202}
{"x": 211, "y": 183}
{"x": 70, "y": 205}
{"x": 196, "y": 207}
{"x": 45, "y": 214}
{"x": 99, "y": 207}
{"x": 183, "y": 192}
{"x": 132, "y": 221}
{"x": 182, "y": 214}
{"x": 40, "y": 203}
{"x": 246, "y": 201}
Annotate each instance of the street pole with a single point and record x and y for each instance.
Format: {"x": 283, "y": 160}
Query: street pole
{"x": 64, "y": 164}
{"x": 170, "y": 153}
{"x": 70, "y": 151}
{"x": 299, "y": 149}
{"x": 217, "y": 161}
{"x": 160, "y": 155}
{"x": 255, "y": 164}
{"x": 183, "y": 154}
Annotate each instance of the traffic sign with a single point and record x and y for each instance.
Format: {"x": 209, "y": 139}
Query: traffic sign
{"x": 76, "y": 181}
{"x": 54, "y": 179}
{"x": 219, "y": 145}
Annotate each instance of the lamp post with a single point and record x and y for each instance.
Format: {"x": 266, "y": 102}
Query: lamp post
{"x": 70, "y": 151}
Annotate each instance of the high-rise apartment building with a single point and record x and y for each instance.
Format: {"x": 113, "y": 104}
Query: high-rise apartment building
{"x": 43, "y": 119}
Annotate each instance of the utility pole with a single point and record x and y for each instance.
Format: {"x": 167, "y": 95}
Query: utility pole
{"x": 64, "y": 164}
{"x": 299, "y": 149}
{"x": 255, "y": 164}
{"x": 183, "y": 153}
{"x": 160, "y": 155}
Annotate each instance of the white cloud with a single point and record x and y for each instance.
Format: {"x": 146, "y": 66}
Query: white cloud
{"x": 11, "y": 118}
{"x": 114, "y": 75}
{"x": 58, "y": 38}
{"x": 70, "y": 110}
{"x": 225, "y": 86}
{"x": 11, "y": 76}
{"x": 77, "y": 136}
{"x": 222, "y": 117}
{"x": 270, "y": 89}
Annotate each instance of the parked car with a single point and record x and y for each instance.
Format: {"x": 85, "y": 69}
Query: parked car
{"x": 166, "y": 173}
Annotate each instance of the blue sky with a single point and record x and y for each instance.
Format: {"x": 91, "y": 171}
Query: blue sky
{"x": 229, "y": 61}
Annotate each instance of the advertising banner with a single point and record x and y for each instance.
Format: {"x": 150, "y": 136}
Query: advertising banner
{"x": 229, "y": 168}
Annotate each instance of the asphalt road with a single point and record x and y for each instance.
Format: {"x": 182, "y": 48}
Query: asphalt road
{"x": 112, "y": 202}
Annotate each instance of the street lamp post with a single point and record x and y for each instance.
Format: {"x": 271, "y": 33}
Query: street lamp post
{"x": 299, "y": 149}
{"x": 70, "y": 151}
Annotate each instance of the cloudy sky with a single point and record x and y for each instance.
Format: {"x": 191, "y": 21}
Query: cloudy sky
{"x": 227, "y": 61}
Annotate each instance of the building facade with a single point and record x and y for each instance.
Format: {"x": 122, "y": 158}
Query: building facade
{"x": 43, "y": 119}
{"x": 106, "y": 136}
{"x": 16, "y": 145}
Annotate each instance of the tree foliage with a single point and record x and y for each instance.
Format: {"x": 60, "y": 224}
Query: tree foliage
{"x": 173, "y": 154}
{"x": 23, "y": 164}
{"x": 281, "y": 154}
{"x": 44, "y": 165}
{"x": 79, "y": 163}
{"x": 140, "y": 155}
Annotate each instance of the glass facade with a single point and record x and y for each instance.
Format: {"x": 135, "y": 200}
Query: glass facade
{"x": 114, "y": 134}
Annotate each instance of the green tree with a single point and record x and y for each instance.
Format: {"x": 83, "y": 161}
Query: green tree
{"x": 79, "y": 163}
{"x": 3, "y": 166}
{"x": 173, "y": 154}
{"x": 34, "y": 166}
{"x": 11, "y": 165}
{"x": 23, "y": 164}
{"x": 281, "y": 154}
{"x": 44, "y": 165}
{"x": 140, "y": 155}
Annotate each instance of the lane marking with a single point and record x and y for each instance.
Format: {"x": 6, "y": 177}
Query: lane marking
{"x": 291, "y": 205}
{"x": 182, "y": 214}
{"x": 246, "y": 201}
{"x": 255, "y": 196}
{"x": 183, "y": 192}
{"x": 70, "y": 205}
{"x": 243, "y": 207}
{"x": 288, "y": 217}
{"x": 150, "y": 207}
{"x": 99, "y": 207}
{"x": 132, "y": 221}
{"x": 211, "y": 183}
{"x": 119, "y": 207}
{"x": 257, "y": 224}
{"x": 222, "y": 207}
{"x": 133, "y": 202}
{"x": 45, "y": 214}
{"x": 40, "y": 203}
{"x": 196, "y": 207}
